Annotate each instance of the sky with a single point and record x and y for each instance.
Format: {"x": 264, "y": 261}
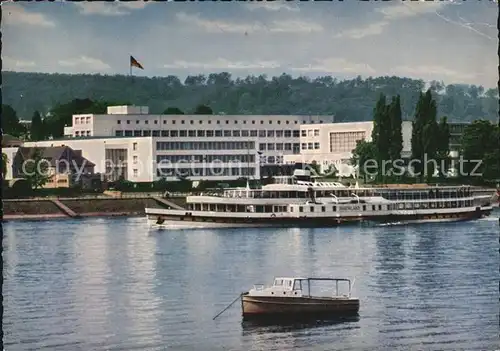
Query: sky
{"x": 450, "y": 41}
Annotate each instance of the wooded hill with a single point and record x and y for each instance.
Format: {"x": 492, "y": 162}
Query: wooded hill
{"x": 348, "y": 100}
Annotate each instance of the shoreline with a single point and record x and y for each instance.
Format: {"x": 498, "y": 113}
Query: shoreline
{"x": 71, "y": 208}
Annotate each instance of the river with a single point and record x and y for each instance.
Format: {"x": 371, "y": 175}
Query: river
{"x": 115, "y": 284}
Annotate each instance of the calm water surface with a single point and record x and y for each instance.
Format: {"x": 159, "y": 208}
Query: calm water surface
{"x": 117, "y": 285}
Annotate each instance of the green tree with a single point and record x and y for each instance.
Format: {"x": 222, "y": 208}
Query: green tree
{"x": 173, "y": 111}
{"x": 424, "y": 136}
{"x": 10, "y": 122}
{"x": 5, "y": 162}
{"x": 37, "y": 130}
{"x": 381, "y": 134}
{"x": 443, "y": 146}
{"x": 203, "y": 110}
{"x": 36, "y": 169}
{"x": 480, "y": 146}
{"x": 396, "y": 130}
{"x": 363, "y": 156}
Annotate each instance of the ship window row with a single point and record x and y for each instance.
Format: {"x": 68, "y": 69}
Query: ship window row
{"x": 204, "y": 158}
{"x": 205, "y": 172}
{"x": 205, "y": 145}
{"x": 210, "y": 133}
{"x": 425, "y": 195}
{"x": 174, "y": 121}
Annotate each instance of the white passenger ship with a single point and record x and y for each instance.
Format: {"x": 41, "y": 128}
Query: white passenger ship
{"x": 301, "y": 201}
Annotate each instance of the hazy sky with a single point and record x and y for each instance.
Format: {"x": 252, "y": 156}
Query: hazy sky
{"x": 450, "y": 41}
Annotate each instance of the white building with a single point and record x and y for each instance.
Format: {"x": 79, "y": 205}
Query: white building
{"x": 332, "y": 144}
{"x": 218, "y": 147}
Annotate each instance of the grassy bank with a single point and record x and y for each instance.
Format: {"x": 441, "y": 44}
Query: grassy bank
{"x": 46, "y": 209}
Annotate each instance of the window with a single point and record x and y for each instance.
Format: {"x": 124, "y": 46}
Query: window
{"x": 218, "y": 133}
{"x": 227, "y": 122}
{"x": 270, "y": 146}
{"x": 136, "y": 172}
{"x": 128, "y": 133}
{"x": 182, "y": 122}
{"x": 76, "y": 121}
{"x": 288, "y": 146}
{"x": 262, "y": 147}
{"x": 134, "y": 159}
{"x": 344, "y": 141}
{"x": 310, "y": 133}
{"x": 144, "y": 133}
{"x": 174, "y": 133}
{"x": 156, "y": 133}
{"x": 279, "y": 134}
{"x": 227, "y": 133}
{"x": 316, "y": 132}
{"x": 164, "y": 122}
{"x": 156, "y": 122}
{"x": 288, "y": 133}
{"x": 146, "y": 122}
{"x": 310, "y": 146}
{"x": 128, "y": 122}
{"x": 270, "y": 133}
{"x": 192, "y": 133}
{"x": 118, "y": 133}
{"x": 296, "y": 133}
{"x": 262, "y": 133}
{"x": 236, "y": 133}
{"x": 191, "y": 122}
{"x": 316, "y": 146}
{"x": 209, "y": 133}
{"x": 245, "y": 133}
{"x": 183, "y": 133}
{"x": 200, "y": 133}
{"x": 304, "y": 133}
{"x": 279, "y": 147}
{"x": 134, "y": 146}
{"x": 253, "y": 133}
{"x": 164, "y": 133}
{"x": 304, "y": 146}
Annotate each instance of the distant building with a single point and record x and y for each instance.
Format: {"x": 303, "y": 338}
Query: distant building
{"x": 65, "y": 166}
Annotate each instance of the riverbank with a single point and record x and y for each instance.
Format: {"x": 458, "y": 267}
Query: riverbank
{"x": 45, "y": 209}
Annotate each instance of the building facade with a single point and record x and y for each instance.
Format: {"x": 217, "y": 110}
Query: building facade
{"x": 332, "y": 143}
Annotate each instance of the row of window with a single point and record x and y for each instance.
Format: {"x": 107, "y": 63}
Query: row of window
{"x": 310, "y": 146}
{"x": 174, "y": 121}
{"x": 205, "y": 145}
{"x": 82, "y": 120}
{"x": 207, "y": 172}
{"x": 279, "y": 147}
{"x": 82, "y": 133}
{"x": 205, "y": 158}
{"x": 310, "y": 133}
{"x": 209, "y": 133}
{"x": 344, "y": 141}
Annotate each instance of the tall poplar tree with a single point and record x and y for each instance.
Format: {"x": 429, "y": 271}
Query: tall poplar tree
{"x": 381, "y": 133}
{"x": 396, "y": 130}
{"x": 37, "y": 130}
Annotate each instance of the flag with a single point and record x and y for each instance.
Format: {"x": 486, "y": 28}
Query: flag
{"x": 135, "y": 63}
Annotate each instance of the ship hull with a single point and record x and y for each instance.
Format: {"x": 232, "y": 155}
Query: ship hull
{"x": 162, "y": 219}
{"x": 263, "y": 306}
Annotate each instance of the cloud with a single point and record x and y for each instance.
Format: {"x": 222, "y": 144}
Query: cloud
{"x": 223, "y": 64}
{"x": 375, "y": 28}
{"x": 85, "y": 62}
{"x": 432, "y": 71}
{"x": 16, "y": 64}
{"x": 392, "y": 12}
{"x": 336, "y": 65}
{"x": 109, "y": 8}
{"x": 271, "y": 6}
{"x": 411, "y": 9}
{"x": 13, "y": 14}
{"x": 284, "y": 26}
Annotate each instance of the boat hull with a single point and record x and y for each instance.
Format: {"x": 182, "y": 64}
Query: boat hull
{"x": 162, "y": 219}
{"x": 263, "y": 306}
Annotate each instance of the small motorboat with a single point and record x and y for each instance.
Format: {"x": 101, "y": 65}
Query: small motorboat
{"x": 292, "y": 297}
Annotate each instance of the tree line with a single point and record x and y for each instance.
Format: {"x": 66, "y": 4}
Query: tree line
{"x": 430, "y": 145}
{"x": 348, "y": 100}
